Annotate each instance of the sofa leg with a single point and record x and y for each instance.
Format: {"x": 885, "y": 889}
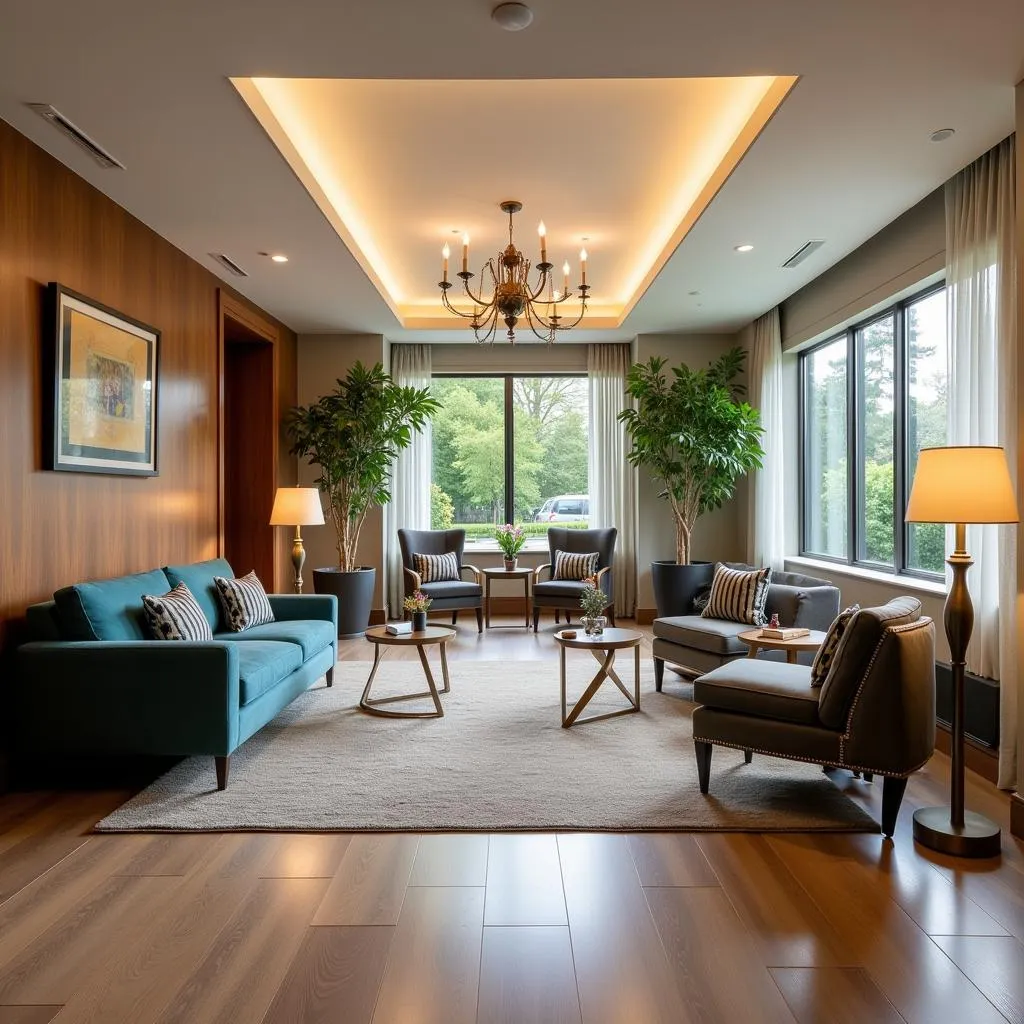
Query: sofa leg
{"x": 330, "y": 677}
{"x": 536, "y": 617}
{"x": 748, "y": 756}
{"x": 479, "y": 620}
{"x": 892, "y": 797}
{"x": 703, "y": 751}
{"x": 455, "y": 618}
{"x": 222, "y": 765}
{"x": 659, "y": 673}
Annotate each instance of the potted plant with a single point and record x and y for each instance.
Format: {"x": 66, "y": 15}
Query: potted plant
{"x": 698, "y": 438}
{"x": 352, "y": 435}
{"x": 417, "y": 604}
{"x": 593, "y": 601}
{"x": 511, "y": 540}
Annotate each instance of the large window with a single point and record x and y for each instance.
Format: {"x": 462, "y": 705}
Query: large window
{"x": 872, "y": 397}
{"x": 509, "y": 449}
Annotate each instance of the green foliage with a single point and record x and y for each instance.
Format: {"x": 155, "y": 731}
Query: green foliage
{"x": 353, "y": 435}
{"x": 484, "y": 531}
{"x": 694, "y": 434}
{"x": 442, "y": 511}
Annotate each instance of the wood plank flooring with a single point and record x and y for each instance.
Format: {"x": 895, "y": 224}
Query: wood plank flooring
{"x": 505, "y": 929}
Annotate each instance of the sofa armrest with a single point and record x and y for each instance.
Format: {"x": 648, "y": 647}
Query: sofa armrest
{"x": 142, "y": 696}
{"x": 806, "y": 607}
{"x": 291, "y": 607}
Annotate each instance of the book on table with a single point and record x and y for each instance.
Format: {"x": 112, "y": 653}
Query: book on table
{"x": 399, "y": 628}
{"x": 784, "y": 632}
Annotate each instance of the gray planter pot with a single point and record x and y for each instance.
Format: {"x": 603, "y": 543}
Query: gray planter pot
{"x": 675, "y": 586}
{"x": 354, "y": 591}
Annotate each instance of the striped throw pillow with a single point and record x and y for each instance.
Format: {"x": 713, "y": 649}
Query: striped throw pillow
{"x": 176, "y": 616}
{"x": 244, "y": 602}
{"x": 738, "y": 595}
{"x": 826, "y": 653}
{"x": 571, "y": 566}
{"x": 437, "y": 568}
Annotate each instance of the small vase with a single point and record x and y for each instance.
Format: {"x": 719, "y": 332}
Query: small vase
{"x": 593, "y": 625}
{"x": 510, "y": 564}
{"x": 419, "y": 621}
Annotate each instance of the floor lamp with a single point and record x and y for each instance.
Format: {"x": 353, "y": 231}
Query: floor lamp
{"x": 959, "y": 485}
{"x": 298, "y": 507}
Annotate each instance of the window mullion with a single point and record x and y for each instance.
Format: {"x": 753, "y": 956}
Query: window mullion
{"x": 510, "y": 442}
{"x": 854, "y": 443}
{"x": 899, "y": 440}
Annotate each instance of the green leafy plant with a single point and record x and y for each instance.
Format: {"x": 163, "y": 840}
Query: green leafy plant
{"x": 353, "y": 436}
{"x": 593, "y": 599}
{"x": 694, "y": 433}
{"x": 510, "y": 539}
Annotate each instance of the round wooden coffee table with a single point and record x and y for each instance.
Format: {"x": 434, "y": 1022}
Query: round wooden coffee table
{"x": 382, "y": 642}
{"x": 809, "y": 642}
{"x": 603, "y": 648}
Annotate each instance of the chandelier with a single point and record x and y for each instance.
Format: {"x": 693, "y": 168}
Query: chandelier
{"x": 512, "y": 297}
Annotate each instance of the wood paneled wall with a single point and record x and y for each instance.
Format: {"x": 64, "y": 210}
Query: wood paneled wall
{"x": 57, "y": 528}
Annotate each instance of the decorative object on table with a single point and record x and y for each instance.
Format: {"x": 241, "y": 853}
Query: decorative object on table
{"x": 513, "y": 296}
{"x": 243, "y": 601}
{"x": 603, "y": 647}
{"x": 773, "y": 622}
{"x": 399, "y": 628}
{"x": 593, "y": 601}
{"x": 382, "y": 641}
{"x": 784, "y": 632}
{"x": 176, "y": 615}
{"x": 510, "y": 539}
{"x": 827, "y": 651}
{"x": 960, "y": 485}
{"x": 698, "y": 438}
{"x": 739, "y": 595}
{"x": 353, "y": 435}
{"x": 102, "y": 400}
{"x": 298, "y": 507}
{"x": 417, "y": 604}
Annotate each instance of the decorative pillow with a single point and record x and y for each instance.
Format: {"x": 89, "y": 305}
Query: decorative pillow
{"x": 570, "y": 566}
{"x": 437, "y": 568}
{"x": 738, "y": 595}
{"x": 244, "y": 602}
{"x": 826, "y": 653}
{"x": 176, "y": 615}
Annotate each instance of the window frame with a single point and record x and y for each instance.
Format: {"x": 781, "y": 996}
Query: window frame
{"x": 855, "y": 440}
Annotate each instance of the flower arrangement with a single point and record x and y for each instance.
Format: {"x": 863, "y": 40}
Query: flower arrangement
{"x": 593, "y": 600}
{"x": 510, "y": 539}
{"x": 417, "y": 602}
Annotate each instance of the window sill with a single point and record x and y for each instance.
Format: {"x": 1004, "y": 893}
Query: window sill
{"x": 911, "y": 584}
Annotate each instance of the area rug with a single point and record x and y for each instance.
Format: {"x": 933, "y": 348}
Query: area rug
{"x": 498, "y": 760}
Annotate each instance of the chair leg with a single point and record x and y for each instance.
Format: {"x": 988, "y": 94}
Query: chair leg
{"x": 611, "y": 617}
{"x": 536, "y": 617}
{"x": 479, "y": 620}
{"x": 455, "y": 617}
{"x": 222, "y": 764}
{"x": 748, "y": 756}
{"x": 558, "y": 616}
{"x": 703, "y": 751}
{"x": 330, "y": 676}
{"x": 659, "y": 673}
{"x": 892, "y": 797}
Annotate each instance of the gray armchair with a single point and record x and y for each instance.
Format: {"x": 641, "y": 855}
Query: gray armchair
{"x": 874, "y": 713}
{"x": 697, "y": 644}
{"x": 449, "y": 595}
{"x": 564, "y": 595}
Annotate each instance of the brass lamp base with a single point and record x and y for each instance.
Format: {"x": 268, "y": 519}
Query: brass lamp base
{"x": 298, "y": 558}
{"x": 976, "y": 837}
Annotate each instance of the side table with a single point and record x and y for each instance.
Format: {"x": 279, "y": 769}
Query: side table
{"x": 809, "y": 642}
{"x": 382, "y": 641}
{"x": 501, "y": 573}
{"x": 603, "y": 649}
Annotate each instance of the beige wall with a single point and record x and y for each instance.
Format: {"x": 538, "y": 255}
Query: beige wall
{"x": 323, "y": 358}
{"x": 717, "y": 535}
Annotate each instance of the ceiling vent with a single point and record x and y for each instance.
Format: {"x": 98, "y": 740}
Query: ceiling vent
{"x": 803, "y": 252}
{"x": 228, "y": 264}
{"x": 76, "y": 135}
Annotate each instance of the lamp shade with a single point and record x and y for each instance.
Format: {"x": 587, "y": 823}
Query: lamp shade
{"x": 297, "y": 506}
{"x": 966, "y": 484}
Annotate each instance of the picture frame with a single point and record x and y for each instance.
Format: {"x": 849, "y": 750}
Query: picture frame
{"x": 104, "y": 403}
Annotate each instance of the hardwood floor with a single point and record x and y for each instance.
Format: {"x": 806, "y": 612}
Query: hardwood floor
{"x": 505, "y": 929}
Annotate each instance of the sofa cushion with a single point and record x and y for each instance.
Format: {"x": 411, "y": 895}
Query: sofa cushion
{"x": 311, "y": 635}
{"x": 262, "y": 664}
{"x": 558, "y": 588}
{"x": 826, "y": 653}
{"x": 575, "y": 566}
{"x": 767, "y": 689}
{"x": 108, "y": 609}
{"x": 243, "y": 602}
{"x": 452, "y": 588}
{"x": 175, "y": 615}
{"x": 715, "y": 635}
{"x": 862, "y": 635}
{"x": 436, "y": 568}
{"x": 198, "y": 577}
{"x": 738, "y": 595}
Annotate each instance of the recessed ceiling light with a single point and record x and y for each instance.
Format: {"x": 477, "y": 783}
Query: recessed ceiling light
{"x": 942, "y": 134}
{"x": 745, "y": 247}
{"x": 512, "y": 17}
{"x": 279, "y": 258}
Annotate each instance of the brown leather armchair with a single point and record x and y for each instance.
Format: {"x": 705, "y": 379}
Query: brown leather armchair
{"x": 450, "y": 595}
{"x": 874, "y": 713}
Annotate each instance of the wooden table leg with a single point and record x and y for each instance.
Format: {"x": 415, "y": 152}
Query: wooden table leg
{"x": 752, "y": 649}
{"x": 526, "y": 598}
{"x": 444, "y": 669}
{"x": 373, "y": 706}
{"x": 791, "y": 656}
{"x": 487, "y": 600}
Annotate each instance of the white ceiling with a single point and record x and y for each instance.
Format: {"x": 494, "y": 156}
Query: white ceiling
{"x": 847, "y": 152}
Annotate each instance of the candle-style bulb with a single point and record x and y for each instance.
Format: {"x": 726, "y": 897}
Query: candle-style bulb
{"x": 465, "y": 254}
{"x": 583, "y": 266}
{"x": 446, "y": 251}
{"x": 543, "y": 232}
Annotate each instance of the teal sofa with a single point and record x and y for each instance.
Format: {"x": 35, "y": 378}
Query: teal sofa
{"x": 91, "y": 681}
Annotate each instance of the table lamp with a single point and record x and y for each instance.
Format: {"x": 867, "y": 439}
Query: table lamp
{"x": 298, "y": 507}
{"x": 969, "y": 484}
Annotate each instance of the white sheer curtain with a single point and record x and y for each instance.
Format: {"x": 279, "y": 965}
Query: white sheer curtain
{"x": 766, "y": 533}
{"x": 981, "y": 317}
{"x": 410, "y": 482}
{"x": 612, "y": 480}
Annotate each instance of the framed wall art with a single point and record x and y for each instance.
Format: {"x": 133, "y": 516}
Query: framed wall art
{"x": 105, "y": 389}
